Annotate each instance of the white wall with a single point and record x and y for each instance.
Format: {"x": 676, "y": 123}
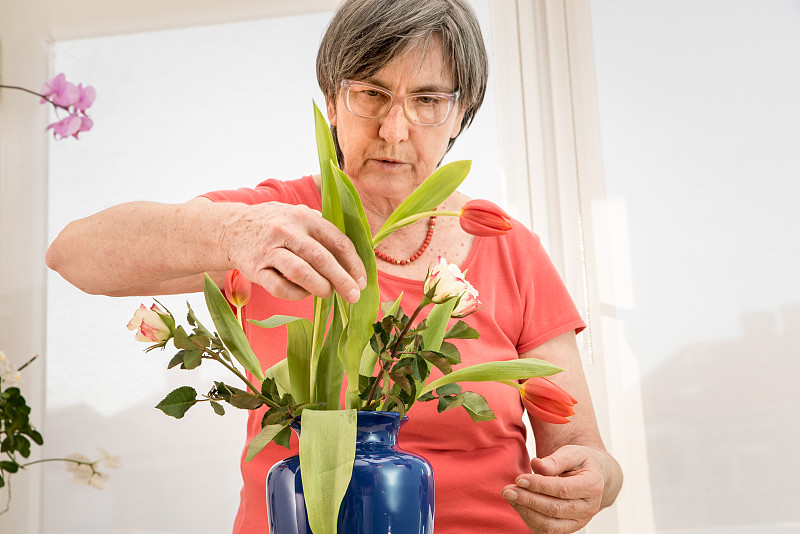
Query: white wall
{"x": 701, "y": 146}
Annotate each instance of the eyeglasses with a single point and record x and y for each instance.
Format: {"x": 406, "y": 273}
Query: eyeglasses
{"x": 373, "y": 102}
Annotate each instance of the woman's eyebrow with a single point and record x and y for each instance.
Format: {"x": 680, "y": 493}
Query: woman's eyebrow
{"x": 432, "y": 87}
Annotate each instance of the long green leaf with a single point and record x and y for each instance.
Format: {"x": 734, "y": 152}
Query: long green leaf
{"x": 229, "y": 329}
{"x": 280, "y": 373}
{"x": 436, "y": 324}
{"x": 496, "y": 371}
{"x": 274, "y": 321}
{"x": 363, "y": 313}
{"x": 261, "y": 439}
{"x": 298, "y": 355}
{"x": 329, "y": 369}
{"x": 331, "y": 208}
{"x": 327, "y": 453}
{"x": 430, "y": 193}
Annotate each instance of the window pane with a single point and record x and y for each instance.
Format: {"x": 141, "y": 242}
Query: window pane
{"x": 700, "y": 133}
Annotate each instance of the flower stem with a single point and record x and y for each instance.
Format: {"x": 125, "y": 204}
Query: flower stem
{"x": 395, "y": 349}
{"x": 383, "y": 233}
{"x": 33, "y": 93}
{"x": 235, "y": 371}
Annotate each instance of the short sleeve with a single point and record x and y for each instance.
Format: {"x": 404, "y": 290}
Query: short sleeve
{"x": 548, "y": 309}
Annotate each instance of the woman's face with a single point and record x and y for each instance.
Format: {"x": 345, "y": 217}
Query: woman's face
{"x": 389, "y": 157}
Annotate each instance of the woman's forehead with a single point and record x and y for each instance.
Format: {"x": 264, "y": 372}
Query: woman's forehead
{"x": 421, "y": 67}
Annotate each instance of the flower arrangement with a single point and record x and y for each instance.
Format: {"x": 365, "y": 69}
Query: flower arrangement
{"x": 17, "y": 433}
{"x": 387, "y": 361}
{"x": 65, "y": 96}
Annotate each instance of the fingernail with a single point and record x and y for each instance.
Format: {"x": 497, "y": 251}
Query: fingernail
{"x": 362, "y": 283}
{"x": 510, "y": 495}
{"x": 353, "y": 296}
{"x": 523, "y": 483}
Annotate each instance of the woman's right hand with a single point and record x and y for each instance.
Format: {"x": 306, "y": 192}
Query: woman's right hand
{"x": 291, "y": 251}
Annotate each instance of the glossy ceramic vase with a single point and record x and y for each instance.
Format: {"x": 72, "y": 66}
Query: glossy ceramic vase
{"x": 391, "y": 490}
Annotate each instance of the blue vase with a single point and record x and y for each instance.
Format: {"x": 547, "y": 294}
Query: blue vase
{"x": 391, "y": 490}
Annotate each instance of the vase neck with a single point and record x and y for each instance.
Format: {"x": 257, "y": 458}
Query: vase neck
{"x": 378, "y": 428}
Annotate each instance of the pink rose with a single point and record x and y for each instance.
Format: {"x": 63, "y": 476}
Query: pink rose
{"x": 445, "y": 281}
{"x": 149, "y": 325}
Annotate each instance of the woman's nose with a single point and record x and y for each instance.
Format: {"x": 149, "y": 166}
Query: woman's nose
{"x": 394, "y": 126}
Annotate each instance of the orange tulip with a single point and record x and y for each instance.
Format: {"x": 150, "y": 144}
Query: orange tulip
{"x": 546, "y": 401}
{"x": 237, "y": 288}
{"x": 484, "y": 218}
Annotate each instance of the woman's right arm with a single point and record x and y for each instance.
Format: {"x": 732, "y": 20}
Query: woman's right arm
{"x": 147, "y": 248}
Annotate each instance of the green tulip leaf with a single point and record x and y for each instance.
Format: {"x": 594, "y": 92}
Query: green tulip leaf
{"x": 298, "y": 354}
{"x": 361, "y": 314}
{"x": 436, "y": 323}
{"x": 229, "y": 329}
{"x": 280, "y": 373}
{"x": 262, "y": 439}
{"x": 495, "y": 371}
{"x": 327, "y": 453}
{"x": 274, "y": 321}
{"x": 430, "y": 193}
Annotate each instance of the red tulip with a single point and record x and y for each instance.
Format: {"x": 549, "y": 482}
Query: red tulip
{"x": 237, "y": 288}
{"x": 484, "y": 218}
{"x": 546, "y": 401}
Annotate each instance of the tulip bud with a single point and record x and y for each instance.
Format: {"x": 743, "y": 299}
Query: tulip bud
{"x": 149, "y": 325}
{"x": 546, "y": 401}
{"x": 484, "y": 218}
{"x": 237, "y": 288}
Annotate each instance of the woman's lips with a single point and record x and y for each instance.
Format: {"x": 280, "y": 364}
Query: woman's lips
{"x": 387, "y": 164}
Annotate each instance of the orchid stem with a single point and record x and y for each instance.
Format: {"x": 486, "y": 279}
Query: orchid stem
{"x": 33, "y": 93}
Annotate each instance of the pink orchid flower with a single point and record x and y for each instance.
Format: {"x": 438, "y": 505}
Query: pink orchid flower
{"x": 67, "y": 126}
{"x": 60, "y": 92}
{"x": 86, "y": 97}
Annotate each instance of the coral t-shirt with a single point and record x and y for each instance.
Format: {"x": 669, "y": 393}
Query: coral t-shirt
{"x": 524, "y": 303}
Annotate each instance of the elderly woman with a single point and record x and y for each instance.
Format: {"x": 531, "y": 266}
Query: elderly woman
{"x": 402, "y": 79}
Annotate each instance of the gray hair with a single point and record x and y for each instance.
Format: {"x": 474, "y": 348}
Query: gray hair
{"x": 366, "y": 35}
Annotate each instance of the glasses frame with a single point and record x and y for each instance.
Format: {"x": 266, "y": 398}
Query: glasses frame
{"x": 452, "y": 98}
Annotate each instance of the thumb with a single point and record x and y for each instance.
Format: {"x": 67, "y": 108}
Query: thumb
{"x": 562, "y": 460}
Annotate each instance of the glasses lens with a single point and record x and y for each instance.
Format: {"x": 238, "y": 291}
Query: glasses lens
{"x": 367, "y": 101}
{"x": 427, "y": 109}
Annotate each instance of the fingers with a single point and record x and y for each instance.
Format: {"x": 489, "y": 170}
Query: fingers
{"x": 292, "y": 252}
{"x": 546, "y": 514}
{"x": 539, "y": 522}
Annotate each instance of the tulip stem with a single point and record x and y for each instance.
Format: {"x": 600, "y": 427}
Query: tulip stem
{"x": 383, "y": 233}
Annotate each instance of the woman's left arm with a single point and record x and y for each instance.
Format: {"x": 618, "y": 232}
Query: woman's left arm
{"x": 574, "y": 476}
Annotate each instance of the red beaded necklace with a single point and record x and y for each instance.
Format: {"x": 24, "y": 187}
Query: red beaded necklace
{"x": 385, "y": 257}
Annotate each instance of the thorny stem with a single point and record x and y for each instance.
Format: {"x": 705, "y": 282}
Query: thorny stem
{"x": 234, "y": 370}
{"x": 395, "y": 349}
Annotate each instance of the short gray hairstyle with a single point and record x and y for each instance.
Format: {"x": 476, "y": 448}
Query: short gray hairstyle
{"x": 366, "y": 35}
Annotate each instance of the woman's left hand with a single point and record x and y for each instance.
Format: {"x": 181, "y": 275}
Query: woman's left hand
{"x": 564, "y": 491}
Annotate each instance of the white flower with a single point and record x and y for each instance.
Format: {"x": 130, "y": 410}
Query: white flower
{"x": 444, "y": 281}
{"x": 98, "y": 480}
{"x": 8, "y": 373}
{"x": 111, "y": 461}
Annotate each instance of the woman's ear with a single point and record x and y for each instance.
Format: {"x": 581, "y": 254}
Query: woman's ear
{"x": 330, "y": 106}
